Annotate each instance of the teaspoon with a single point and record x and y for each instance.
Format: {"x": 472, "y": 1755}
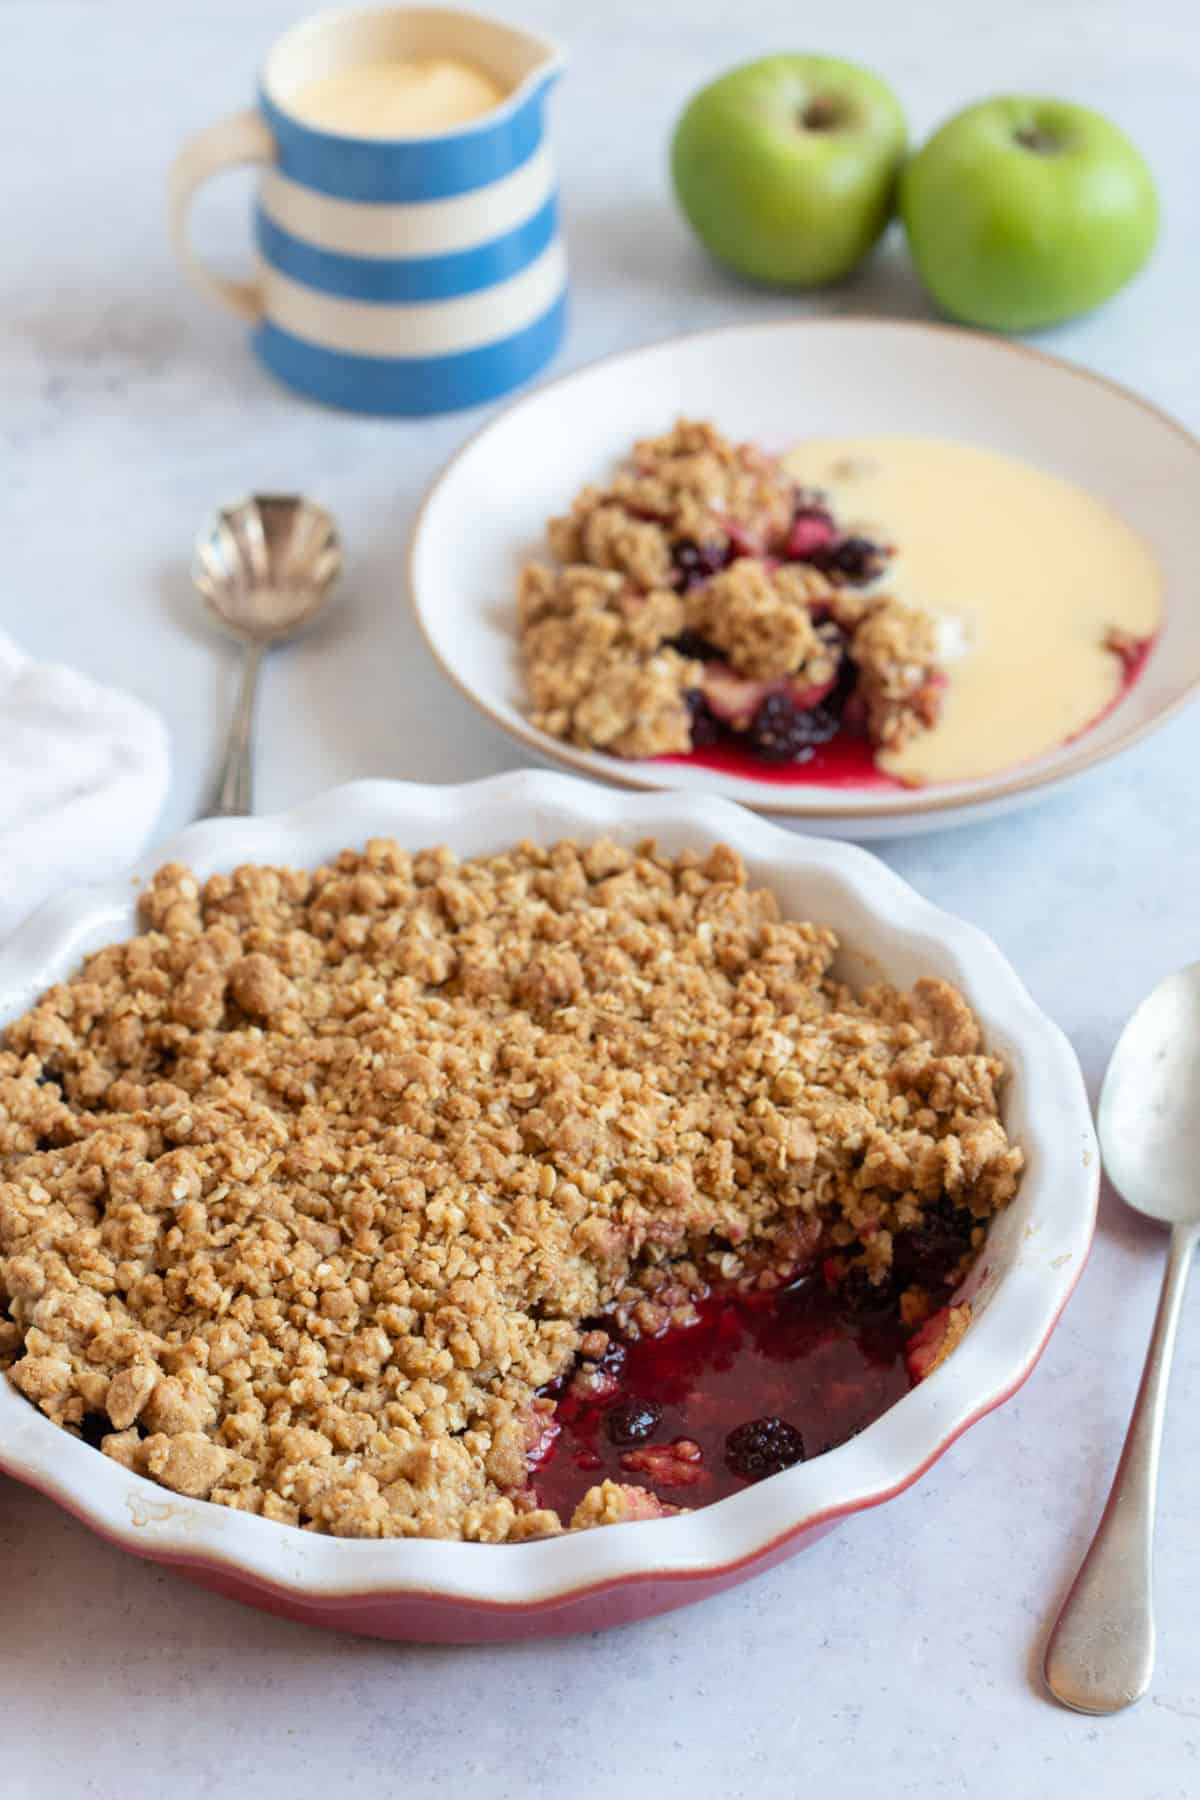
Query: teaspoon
{"x": 265, "y": 566}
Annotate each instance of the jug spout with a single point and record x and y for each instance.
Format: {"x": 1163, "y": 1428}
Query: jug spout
{"x": 547, "y": 60}
{"x": 526, "y": 61}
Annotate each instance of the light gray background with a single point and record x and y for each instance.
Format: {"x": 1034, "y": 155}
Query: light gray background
{"x": 899, "y": 1656}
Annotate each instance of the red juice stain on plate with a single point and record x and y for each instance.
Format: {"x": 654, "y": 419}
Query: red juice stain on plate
{"x": 847, "y": 761}
{"x": 1134, "y": 657}
{"x": 1134, "y": 661}
{"x": 790, "y": 1354}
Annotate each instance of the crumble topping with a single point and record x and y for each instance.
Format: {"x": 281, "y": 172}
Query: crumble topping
{"x": 598, "y": 675}
{"x": 704, "y": 552}
{"x": 759, "y": 619}
{"x": 895, "y": 647}
{"x": 689, "y": 485}
{"x": 309, "y": 1191}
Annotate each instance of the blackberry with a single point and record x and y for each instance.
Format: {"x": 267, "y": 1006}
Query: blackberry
{"x": 856, "y": 559}
{"x": 633, "y": 1422}
{"x": 930, "y": 1252}
{"x": 859, "y": 1297}
{"x": 706, "y": 727}
{"x": 845, "y": 682}
{"x": 781, "y": 731}
{"x": 691, "y": 644}
{"x": 762, "y": 1447}
{"x": 615, "y": 1352}
{"x": 93, "y": 1426}
{"x": 694, "y": 563}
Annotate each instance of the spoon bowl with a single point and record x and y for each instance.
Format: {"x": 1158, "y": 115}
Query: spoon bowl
{"x": 265, "y": 565}
{"x": 1149, "y": 1113}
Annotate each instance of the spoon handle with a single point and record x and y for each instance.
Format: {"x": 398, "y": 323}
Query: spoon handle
{"x": 1100, "y": 1656}
{"x": 234, "y": 792}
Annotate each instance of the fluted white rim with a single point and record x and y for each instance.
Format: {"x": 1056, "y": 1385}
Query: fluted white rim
{"x": 1034, "y": 1255}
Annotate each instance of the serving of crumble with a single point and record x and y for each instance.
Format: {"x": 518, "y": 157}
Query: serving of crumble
{"x": 321, "y": 1197}
{"x": 704, "y": 591}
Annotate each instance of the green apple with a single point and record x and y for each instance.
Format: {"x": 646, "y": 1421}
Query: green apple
{"x": 1023, "y": 212}
{"x": 786, "y": 168}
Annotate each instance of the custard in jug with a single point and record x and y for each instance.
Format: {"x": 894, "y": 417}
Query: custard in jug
{"x": 401, "y": 96}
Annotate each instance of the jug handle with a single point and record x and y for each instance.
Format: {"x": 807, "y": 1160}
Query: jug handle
{"x": 241, "y": 138}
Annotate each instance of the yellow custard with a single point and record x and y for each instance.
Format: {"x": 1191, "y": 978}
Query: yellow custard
{"x": 403, "y": 96}
{"x": 1026, "y": 574}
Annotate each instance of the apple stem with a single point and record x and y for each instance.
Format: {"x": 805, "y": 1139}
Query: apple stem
{"x": 1032, "y": 137}
{"x": 821, "y": 114}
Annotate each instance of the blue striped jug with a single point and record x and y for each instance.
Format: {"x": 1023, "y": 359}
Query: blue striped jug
{"x": 400, "y": 275}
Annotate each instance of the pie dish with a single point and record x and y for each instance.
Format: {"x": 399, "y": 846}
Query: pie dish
{"x": 407, "y": 1195}
{"x": 457, "y": 1590}
{"x": 771, "y": 385}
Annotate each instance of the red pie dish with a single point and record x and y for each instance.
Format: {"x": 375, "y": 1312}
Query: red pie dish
{"x": 745, "y": 1383}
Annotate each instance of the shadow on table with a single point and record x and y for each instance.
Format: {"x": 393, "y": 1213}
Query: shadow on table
{"x": 50, "y": 1560}
{"x": 647, "y": 245}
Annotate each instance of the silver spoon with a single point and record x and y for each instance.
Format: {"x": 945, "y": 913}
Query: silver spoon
{"x": 265, "y": 566}
{"x": 1100, "y": 1656}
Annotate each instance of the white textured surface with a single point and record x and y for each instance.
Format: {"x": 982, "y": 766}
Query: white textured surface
{"x": 899, "y": 1656}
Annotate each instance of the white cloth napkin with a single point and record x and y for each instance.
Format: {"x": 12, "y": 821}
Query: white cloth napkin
{"x": 83, "y": 775}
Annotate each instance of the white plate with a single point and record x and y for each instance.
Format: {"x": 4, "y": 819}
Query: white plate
{"x": 776, "y": 383}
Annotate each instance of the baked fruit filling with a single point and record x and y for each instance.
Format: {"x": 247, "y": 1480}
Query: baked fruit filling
{"x": 703, "y": 596}
{"x": 377, "y": 1200}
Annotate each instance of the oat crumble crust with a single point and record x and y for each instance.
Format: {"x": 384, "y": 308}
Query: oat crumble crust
{"x": 760, "y": 619}
{"x": 308, "y": 1190}
{"x": 597, "y": 633}
{"x": 690, "y": 483}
